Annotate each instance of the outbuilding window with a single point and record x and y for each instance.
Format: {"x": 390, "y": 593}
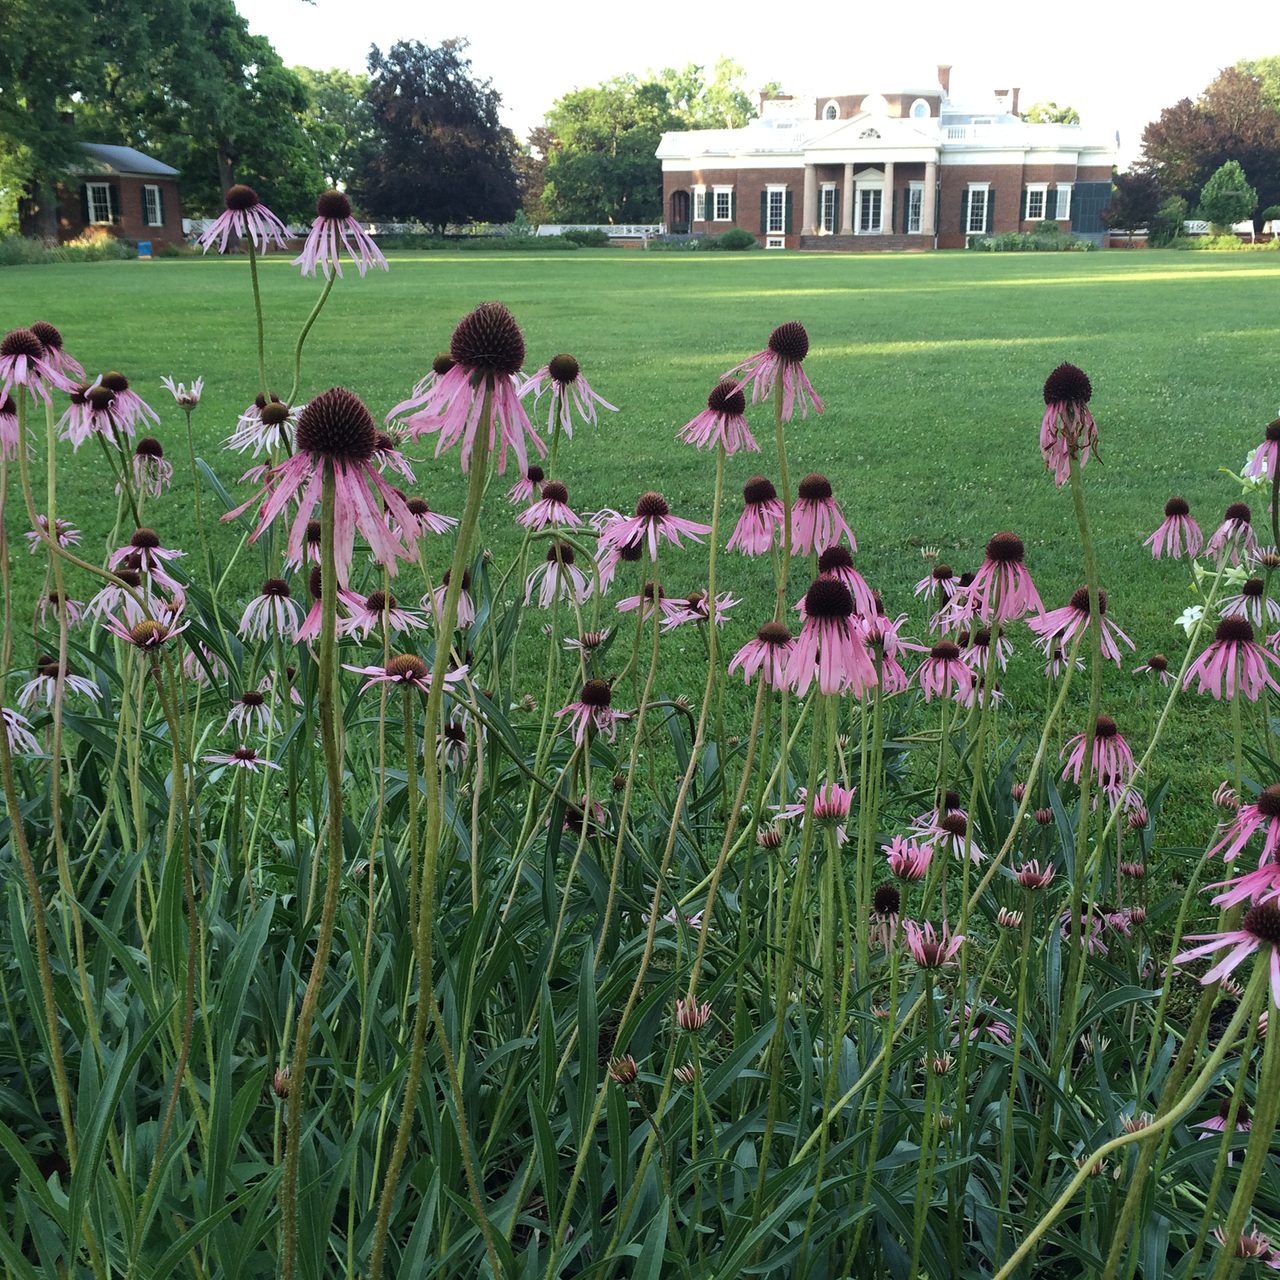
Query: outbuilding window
{"x": 99, "y": 202}
{"x": 152, "y": 206}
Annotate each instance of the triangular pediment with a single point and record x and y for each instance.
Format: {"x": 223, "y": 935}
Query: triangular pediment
{"x": 869, "y": 130}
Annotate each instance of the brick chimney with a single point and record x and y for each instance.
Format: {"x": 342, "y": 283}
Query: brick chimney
{"x": 944, "y": 78}
{"x": 1002, "y": 99}
{"x": 1013, "y": 110}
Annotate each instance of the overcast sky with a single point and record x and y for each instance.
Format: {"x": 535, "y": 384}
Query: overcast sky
{"x": 1117, "y": 64}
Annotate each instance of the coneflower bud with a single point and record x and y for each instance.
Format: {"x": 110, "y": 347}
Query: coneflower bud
{"x": 942, "y": 1063}
{"x": 1007, "y": 919}
{"x": 280, "y": 1082}
{"x": 768, "y": 837}
{"x": 623, "y": 1070}
{"x": 687, "y": 1073}
{"x": 690, "y": 1015}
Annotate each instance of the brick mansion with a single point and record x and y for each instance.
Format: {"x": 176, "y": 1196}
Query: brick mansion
{"x": 907, "y": 170}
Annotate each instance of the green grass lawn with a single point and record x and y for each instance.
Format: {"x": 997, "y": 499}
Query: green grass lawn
{"x": 931, "y": 367}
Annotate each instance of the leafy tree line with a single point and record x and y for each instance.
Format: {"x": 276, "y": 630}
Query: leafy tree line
{"x": 1217, "y": 158}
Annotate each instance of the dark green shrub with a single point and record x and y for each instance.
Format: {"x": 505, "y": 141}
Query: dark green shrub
{"x": 590, "y": 238}
{"x": 737, "y": 238}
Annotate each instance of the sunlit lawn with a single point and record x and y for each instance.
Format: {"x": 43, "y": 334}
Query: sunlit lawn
{"x": 930, "y": 365}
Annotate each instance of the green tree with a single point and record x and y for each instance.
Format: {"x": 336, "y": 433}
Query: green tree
{"x": 338, "y": 122}
{"x": 1050, "y": 113}
{"x": 722, "y": 104}
{"x": 1135, "y": 201}
{"x": 602, "y": 165}
{"x": 1227, "y": 198}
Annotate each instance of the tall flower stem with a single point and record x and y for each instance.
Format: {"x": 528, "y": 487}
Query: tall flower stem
{"x": 411, "y": 776}
{"x": 926, "y": 1133}
{"x": 430, "y": 855}
{"x": 302, "y": 337}
{"x": 328, "y": 914}
{"x": 257, "y": 307}
{"x": 1006, "y": 1161}
{"x": 785, "y": 480}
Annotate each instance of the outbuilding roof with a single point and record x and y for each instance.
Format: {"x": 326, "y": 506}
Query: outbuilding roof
{"x": 104, "y": 158}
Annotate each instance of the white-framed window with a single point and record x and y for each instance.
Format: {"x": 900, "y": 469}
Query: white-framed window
{"x": 776, "y": 205}
{"x": 1063, "y": 212}
{"x": 775, "y": 242}
{"x": 699, "y": 204}
{"x": 919, "y": 109}
{"x": 99, "y": 201}
{"x": 978, "y": 197}
{"x": 870, "y": 208}
{"x": 915, "y": 206}
{"x": 827, "y": 219}
{"x": 152, "y": 208}
{"x": 723, "y": 211}
{"x": 1036, "y": 192}
{"x": 831, "y": 111}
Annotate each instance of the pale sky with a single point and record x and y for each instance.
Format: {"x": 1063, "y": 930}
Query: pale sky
{"x": 1116, "y": 63}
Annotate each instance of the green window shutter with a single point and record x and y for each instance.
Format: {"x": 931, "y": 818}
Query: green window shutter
{"x": 84, "y": 203}
{"x": 835, "y": 230}
{"x": 114, "y": 193}
{"x": 733, "y": 205}
{"x": 764, "y": 212}
{"x": 160, "y": 199}
{"x": 991, "y": 200}
{"x": 964, "y": 212}
{"x": 786, "y": 226}
{"x": 893, "y": 212}
{"x": 1022, "y": 217}
{"x": 1051, "y": 203}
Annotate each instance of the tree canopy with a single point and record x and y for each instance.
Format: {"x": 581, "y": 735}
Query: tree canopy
{"x": 338, "y": 121}
{"x": 724, "y": 103}
{"x": 1227, "y": 198}
{"x": 1135, "y": 201}
{"x": 442, "y": 155}
{"x": 1050, "y": 113}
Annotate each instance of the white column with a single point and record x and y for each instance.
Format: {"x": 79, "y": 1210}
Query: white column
{"x": 886, "y": 201}
{"x": 808, "y": 222}
{"x": 846, "y": 205}
{"x": 928, "y": 214}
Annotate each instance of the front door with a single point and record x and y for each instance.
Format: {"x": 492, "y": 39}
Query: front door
{"x": 870, "y": 203}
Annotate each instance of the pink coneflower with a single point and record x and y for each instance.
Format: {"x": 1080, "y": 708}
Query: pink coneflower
{"x": 334, "y": 430}
{"x": 908, "y": 859}
{"x": 144, "y": 554}
{"x": 1265, "y": 811}
{"x": 983, "y": 647}
{"x": 1112, "y": 759}
{"x": 245, "y": 215}
{"x": 1058, "y": 659}
{"x": 529, "y": 487}
{"x": 951, "y": 831}
{"x": 1178, "y": 531}
{"x": 1218, "y": 1123}
{"x": 309, "y": 630}
{"x": 959, "y": 609}
{"x": 1061, "y": 626}
{"x": 424, "y": 387}
{"x": 89, "y": 413}
{"x": 722, "y": 422}
{"x": 1067, "y": 430}
{"x": 886, "y": 905}
{"x": 788, "y": 346}
{"x": 1235, "y": 655}
{"x": 562, "y": 376}
{"x": 883, "y": 639}
{"x": 487, "y": 348}
{"x": 24, "y": 363}
{"x": 551, "y": 508}
{"x": 405, "y": 669}
{"x": 151, "y": 473}
{"x": 984, "y": 1019}
{"x": 388, "y": 455}
{"x": 113, "y": 596}
{"x": 65, "y": 533}
{"x": 830, "y": 804}
{"x": 829, "y": 645}
{"x": 1266, "y": 457}
{"x": 270, "y": 613}
{"x": 54, "y": 352}
{"x": 768, "y": 653}
{"x": 18, "y": 730}
{"x": 941, "y": 581}
{"x": 241, "y": 758}
{"x": 652, "y": 521}
{"x": 1260, "y": 924}
{"x": 368, "y": 613}
{"x": 129, "y": 410}
{"x": 1253, "y": 603}
{"x": 837, "y": 560}
{"x": 183, "y": 397}
{"x": 588, "y": 642}
{"x": 265, "y": 424}
{"x": 333, "y": 230}
{"x": 816, "y": 520}
{"x": 610, "y": 557}
{"x": 1092, "y": 923}
{"x": 9, "y": 433}
{"x": 250, "y": 711}
{"x": 1004, "y": 575}
{"x": 147, "y": 634}
{"x": 41, "y": 688}
{"x": 1236, "y": 531}
{"x": 1225, "y": 797}
{"x": 1157, "y": 665}
{"x": 694, "y": 608}
{"x": 592, "y": 709}
{"x": 1032, "y": 877}
{"x": 466, "y": 606}
{"x": 556, "y": 576}
{"x": 758, "y": 526}
{"x": 928, "y": 949}
{"x": 943, "y": 673}
{"x": 451, "y": 744}
{"x": 645, "y": 602}
{"x": 53, "y": 602}
{"x": 424, "y": 520}
{"x": 201, "y": 664}
{"x": 1251, "y": 1245}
